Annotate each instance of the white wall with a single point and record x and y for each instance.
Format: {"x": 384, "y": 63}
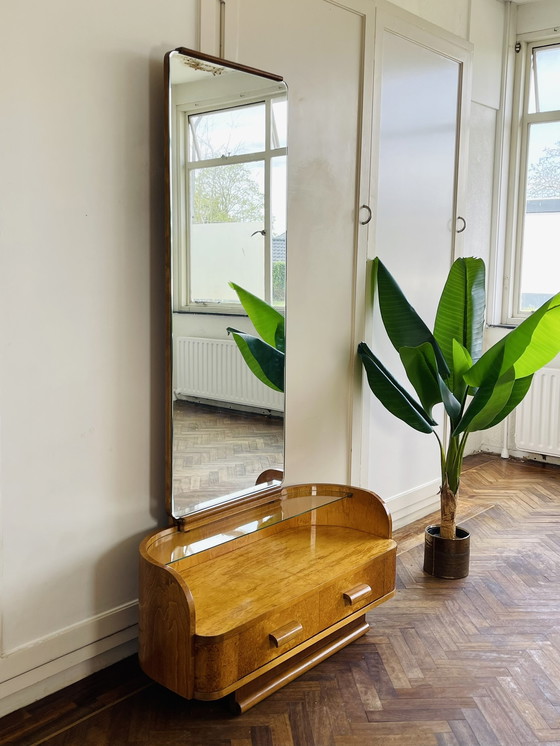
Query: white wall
{"x": 81, "y": 226}
{"x": 81, "y": 371}
{"x": 539, "y": 15}
{"x": 322, "y": 163}
{"x": 452, "y": 16}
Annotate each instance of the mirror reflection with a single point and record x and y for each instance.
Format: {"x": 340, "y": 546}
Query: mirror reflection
{"x": 227, "y": 229}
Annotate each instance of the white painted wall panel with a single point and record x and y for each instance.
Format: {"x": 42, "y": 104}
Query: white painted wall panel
{"x": 81, "y": 259}
{"x": 539, "y": 15}
{"x": 319, "y": 57}
{"x": 453, "y": 16}
{"x": 486, "y": 29}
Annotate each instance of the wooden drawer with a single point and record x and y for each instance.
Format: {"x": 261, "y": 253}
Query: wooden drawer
{"x": 239, "y": 653}
{"x": 357, "y": 589}
{"x": 243, "y": 652}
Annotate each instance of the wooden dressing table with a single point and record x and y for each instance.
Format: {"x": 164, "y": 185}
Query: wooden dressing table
{"x": 244, "y": 601}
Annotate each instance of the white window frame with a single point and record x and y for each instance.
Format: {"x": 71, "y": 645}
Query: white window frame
{"x": 521, "y": 121}
{"x": 182, "y": 168}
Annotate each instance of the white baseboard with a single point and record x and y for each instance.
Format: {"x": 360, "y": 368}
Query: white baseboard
{"x": 47, "y": 665}
{"x": 414, "y": 504}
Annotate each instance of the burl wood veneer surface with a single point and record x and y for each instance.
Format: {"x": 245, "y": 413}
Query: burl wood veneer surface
{"x": 234, "y": 589}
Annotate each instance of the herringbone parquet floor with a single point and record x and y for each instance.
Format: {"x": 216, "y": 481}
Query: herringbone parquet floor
{"x": 466, "y": 662}
{"x": 217, "y": 451}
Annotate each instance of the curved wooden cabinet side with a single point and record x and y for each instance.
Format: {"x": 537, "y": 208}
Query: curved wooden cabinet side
{"x": 247, "y": 616}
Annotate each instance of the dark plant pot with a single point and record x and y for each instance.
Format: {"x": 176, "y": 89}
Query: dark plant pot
{"x": 447, "y": 558}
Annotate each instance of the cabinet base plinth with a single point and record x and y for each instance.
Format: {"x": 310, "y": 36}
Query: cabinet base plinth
{"x": 258, "y": 689}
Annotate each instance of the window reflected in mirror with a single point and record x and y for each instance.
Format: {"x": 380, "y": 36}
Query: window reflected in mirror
{"x": 234, "y": 200}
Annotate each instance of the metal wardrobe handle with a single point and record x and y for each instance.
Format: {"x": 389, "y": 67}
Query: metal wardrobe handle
{"x": 369, "y": 216}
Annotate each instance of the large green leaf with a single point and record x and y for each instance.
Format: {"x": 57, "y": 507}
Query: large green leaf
{"x": 421, "y": 368}
{"x": 462, "y": 362}
{"x": 403, "y": 325}
{"x": 489, "y": 400}
{"x": 494, "y": 397}
{"x": 268, "y": 322}
{"x": 520, "y": 388}
{"x": 450, "y": 402}
{"x": 392, "y": 395}
{"x": 544, "y": 344}
{"x": 526, "y": 349}
{"x": 265, "y": 361}
{"x": 460, "y": 313}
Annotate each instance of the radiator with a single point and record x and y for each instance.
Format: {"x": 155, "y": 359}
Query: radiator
{"x": 537, "y": 419}
{"x": 213, "y": 369}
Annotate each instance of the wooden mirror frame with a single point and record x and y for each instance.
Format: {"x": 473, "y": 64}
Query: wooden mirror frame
{"x": 262, "y": 480}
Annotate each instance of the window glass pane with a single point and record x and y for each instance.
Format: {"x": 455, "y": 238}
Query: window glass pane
{"x": 544, "y": 94}
{"x": 543, "y": 161}
{"x": 540, "y": 269}
{"x": 279, "y": 123}
{"x": 219, "y": 134}
{"x": 227, "y": 208}
{"x": 278, "y": 219}
{"x": 228, "y": 194}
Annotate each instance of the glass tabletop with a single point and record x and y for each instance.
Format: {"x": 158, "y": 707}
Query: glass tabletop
{"x": 281, "y": 508}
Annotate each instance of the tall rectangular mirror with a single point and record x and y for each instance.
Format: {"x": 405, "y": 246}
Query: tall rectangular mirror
{"x": 226, "y": 132}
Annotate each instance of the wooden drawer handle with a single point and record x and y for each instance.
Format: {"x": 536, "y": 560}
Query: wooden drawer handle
{"x": 356, "y": 593}
{"x": 284, "y": 634}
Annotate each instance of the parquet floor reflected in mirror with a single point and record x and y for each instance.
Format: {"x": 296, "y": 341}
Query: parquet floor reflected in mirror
{"x": 217, "y": 451}
{"x": 465, "y": 662}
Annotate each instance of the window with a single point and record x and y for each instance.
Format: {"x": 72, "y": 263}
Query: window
{"x": 535, "y": 225}
{"x": 232, "y": 204}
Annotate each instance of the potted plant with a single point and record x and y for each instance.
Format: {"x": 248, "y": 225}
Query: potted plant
{"x": 447, "y": 366}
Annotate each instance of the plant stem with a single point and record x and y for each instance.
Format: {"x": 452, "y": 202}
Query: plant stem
{"x": 452, "y": 463}
{"x": 448, "y": 500}
{"x": 441, "y": 457}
